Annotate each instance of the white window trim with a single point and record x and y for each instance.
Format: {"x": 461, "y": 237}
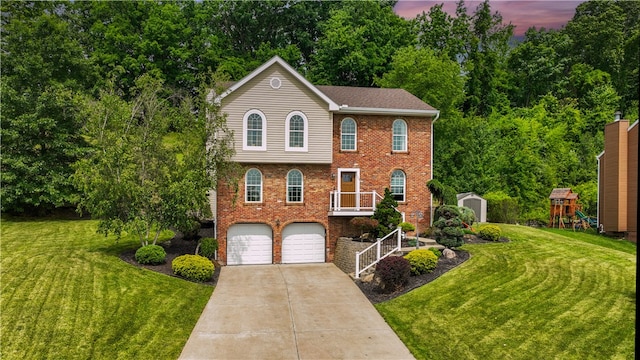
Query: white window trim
{"x": 245, "y": 129}
{"x": 355, "y": 140}
{"x": 406, "y": 136}
{"x": 246, "y": 188}
{"x": 306, "y": 132}
{"x": 404, "y": 185}
{"x": 301, "y": 187}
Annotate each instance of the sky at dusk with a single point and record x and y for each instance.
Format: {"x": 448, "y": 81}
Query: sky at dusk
{"x": 550, "y": 14}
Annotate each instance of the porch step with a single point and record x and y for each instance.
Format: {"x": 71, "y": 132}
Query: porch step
{"x": 425, "y": 243}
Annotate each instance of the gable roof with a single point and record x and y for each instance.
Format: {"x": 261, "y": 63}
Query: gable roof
{"x": 468, "y": 194}
{"x": 357, "y": 100}
{"x": 348, "y": 99}
{"x": 560, "y": 193}
{"x": 278, "y": 60}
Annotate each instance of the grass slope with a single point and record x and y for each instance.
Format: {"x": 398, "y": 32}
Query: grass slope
{"x": 545, "y": 295}
{"x": 65, "y": 294}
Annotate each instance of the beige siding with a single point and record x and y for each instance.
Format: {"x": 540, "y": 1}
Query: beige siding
{"x": 276, "y": 104}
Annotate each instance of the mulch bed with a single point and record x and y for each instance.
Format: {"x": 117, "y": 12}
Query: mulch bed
{"x": 174, "y": 248}
{"x": 370, "y": 291}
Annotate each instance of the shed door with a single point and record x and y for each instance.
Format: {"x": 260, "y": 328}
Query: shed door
{"x": 475, "y": 205}
{"x": 249, "y": 244}
{"x": 303, "y": 243}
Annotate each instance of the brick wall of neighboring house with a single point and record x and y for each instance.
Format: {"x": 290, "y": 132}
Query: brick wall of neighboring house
{"x": 376, "y": 160}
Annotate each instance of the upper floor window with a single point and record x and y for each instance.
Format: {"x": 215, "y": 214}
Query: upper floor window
{"x": 294, "y": 186}
{"x": 348, "y": 134}
{"x": 253, "y": 186}
{"x": 254, "y": 131}
{"x": 399, "y": 135}
{"x": 296, "y": 132}
{"x": 398, "y": 185}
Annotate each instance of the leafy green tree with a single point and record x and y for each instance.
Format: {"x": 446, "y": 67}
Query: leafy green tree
{"x": 43, "y": 70}
{"x": 435, "y": 79}
{"x": 538, "y": 66}
{"x": 152, "y": 163}
{"x": 357, "y": 44}
{"x": 386, "y": 214}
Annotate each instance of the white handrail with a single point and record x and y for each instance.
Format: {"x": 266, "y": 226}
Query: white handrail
{"x": 378, "y": 246}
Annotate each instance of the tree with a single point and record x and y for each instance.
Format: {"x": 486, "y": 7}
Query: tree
{"x": 433, "y": 78}
{"x": 152, "y": 163}
{"x": 357, "y": 44}
{"x": 43, "y": 70}
{"x": 386, "y": 214}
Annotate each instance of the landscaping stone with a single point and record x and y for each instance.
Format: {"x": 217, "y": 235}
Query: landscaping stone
{"x": 448, "y": 254}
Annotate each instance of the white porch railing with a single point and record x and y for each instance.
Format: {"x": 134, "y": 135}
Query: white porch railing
{"x": 354, "y": 201}
{"x": 378, "y": 251}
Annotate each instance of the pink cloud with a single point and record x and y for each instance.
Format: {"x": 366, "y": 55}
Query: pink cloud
{"x": 521, "y": 13}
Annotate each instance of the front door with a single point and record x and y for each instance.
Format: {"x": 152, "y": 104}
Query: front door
{"x": 348, "y": 189}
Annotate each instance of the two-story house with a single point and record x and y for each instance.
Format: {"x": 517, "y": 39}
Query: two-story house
{"x": 314, "y": 157}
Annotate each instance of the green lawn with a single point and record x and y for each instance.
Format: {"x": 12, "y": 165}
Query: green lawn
{"x": 548, "y": 294}
{"x": 65, "y": 294}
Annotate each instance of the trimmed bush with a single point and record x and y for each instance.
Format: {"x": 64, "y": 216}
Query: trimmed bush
{"x": 448, "y": 228}
{"x": 435, "y": 252}
{"x": 392, "y": 273}
{"x": 207, "y": 247}
{"x": 407, "y": 226}
{"x": 151, "y": 255}
{"x": 501, "y": 208}
{"x": 193, "y": 267}
{"x": 422, "y": 261}
{"x": 467, "y": 215}
{"x": 490, "y": 232}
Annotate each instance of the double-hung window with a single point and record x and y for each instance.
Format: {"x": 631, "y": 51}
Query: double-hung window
{"x": 254, "y": 131}
{"x": 253, "y": 186}
{"x": 348, "y": 135}
{"x": 399, "y": 135}
{"x": 297, "y": 132}
{"x": 294, "y": 186}
{"x": 398, "y": 185}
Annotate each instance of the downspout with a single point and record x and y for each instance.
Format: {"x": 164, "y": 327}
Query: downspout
{"x": 598, "y": 195}
{"x": 431, "y": 172}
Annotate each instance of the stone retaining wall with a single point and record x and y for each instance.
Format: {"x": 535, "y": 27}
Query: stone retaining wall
{"x": 345, "y": 257}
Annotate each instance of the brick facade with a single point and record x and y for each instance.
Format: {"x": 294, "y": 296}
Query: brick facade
{"x": 373, "y": 158}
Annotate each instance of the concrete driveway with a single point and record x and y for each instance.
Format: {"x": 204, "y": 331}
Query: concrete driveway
{"x": 309, "y": 311}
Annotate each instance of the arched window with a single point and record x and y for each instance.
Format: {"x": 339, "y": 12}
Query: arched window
{"x": 398, "y": 185}
{"x": 399, "y": 135}
{"x": 255, "y": 131}
{"x": 348, "y": 134}
{"x": 253, "y": 186}
{"x": 294, "y": 186}
{"x": 297, "y": 132}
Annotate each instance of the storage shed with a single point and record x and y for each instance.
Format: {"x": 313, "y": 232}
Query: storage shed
{"x": 476, "y": 203}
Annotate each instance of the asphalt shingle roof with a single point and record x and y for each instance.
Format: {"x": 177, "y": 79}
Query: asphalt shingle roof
{"x": 363, "y": 97}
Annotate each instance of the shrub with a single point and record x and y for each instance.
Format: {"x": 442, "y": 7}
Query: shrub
{"x": 448, "y": 228}
{"x": 422, "y": 261}
{"x": 151, "y": 255}
{"x": 406, "y": 226}
{"x": 392, "y": 273}
{"x": 365, "y": 224}
{"x": 490, "y": 232}
{"x": 501, "y": 208}
{"x": 435, "y": 251}
{"x": 207, "y": 247}
{"x": 189, "y": 229}
{"x": 467, "y": 215}
{"x": 193, "y": 267}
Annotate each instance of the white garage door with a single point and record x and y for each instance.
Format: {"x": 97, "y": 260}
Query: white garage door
{"x": 303, "y": 243}
{"x": 249, "y": 244}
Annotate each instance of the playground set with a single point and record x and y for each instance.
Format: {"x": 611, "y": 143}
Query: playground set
{"x": 566, "y": 212}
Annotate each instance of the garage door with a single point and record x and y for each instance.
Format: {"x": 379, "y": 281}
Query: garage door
{"x": 249, "y": 244}
{"x": 303, "y": 243}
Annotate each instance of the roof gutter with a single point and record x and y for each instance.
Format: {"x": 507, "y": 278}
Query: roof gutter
{"x": 345, "y": 109}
